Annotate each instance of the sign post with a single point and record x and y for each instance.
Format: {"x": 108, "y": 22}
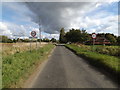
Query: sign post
{"x": 93, "y": 37}
{"x": 33, "y": 34}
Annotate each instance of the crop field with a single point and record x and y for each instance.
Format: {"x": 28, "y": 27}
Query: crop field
{"x": 12, "y": 48}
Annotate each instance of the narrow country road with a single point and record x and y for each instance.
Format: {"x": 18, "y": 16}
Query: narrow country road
{"x": 66, "y": 70}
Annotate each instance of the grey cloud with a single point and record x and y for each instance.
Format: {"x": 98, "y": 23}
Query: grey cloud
{"x": 54, "y": 15}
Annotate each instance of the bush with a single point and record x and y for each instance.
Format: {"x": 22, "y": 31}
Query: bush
{"x": 109, "y": 50}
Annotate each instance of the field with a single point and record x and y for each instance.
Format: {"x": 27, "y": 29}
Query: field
{"x": 102, "y": 59}
{"x": 12, "y": 48}
{"x": 16, "y": 67}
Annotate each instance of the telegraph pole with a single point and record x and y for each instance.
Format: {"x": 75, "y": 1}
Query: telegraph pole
{"x": 39, "y": 31}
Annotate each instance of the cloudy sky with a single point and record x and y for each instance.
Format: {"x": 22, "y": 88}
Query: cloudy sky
{"x": 19, "y": 18}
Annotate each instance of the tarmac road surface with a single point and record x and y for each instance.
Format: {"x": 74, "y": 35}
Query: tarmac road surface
{"x": 66, "y": 70}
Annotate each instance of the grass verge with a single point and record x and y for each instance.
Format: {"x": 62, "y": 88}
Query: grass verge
{"x": 16, "y": 67}
{"x": 106, "y": 62}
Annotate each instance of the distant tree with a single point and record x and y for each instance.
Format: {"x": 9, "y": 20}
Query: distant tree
{"x": 62, "y": 38}
{"x": 118, "y": 40}
{"x": 0, "y": 38}
{"x": 73, "y": 35}
{"x": 84, "y": 36}
{"x": 39, "y": 40}
{"x": 26, "y": 40}
{"x": 77, "y": 36}
{"x": 53, "y": 40}
{"x": 19, "y": 40}
{"x": 9, "y": 41}
{"x": 5, "y": 39}
{"x": 14, "y": 40}
{"x": 46, "y": 40}
{"x": 111, "y": 38}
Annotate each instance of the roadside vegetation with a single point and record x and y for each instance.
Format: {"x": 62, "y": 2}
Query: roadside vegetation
{"x": 108, "y": 50}
{"x": 105, "y": 61}
{"x": 17, "y": 67}
{"x": 12, "y": 48}
{"x": 83, "y": 37}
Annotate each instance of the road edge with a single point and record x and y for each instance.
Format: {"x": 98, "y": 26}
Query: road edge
{"x": 32, "y": 78}
{"x": 112, "y": 75}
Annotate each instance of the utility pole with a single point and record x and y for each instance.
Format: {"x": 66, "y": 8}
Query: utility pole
{"x": 39, "y": 31}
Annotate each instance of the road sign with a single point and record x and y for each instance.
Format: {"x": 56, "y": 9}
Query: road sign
{"x": 33, "y": 37}
{"x": 33, "y": 33}
{"x": 93, "y": 35}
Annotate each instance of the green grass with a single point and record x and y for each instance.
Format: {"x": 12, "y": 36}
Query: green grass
{"x": 16, "y": 66}
{"x": 111, "y": 62}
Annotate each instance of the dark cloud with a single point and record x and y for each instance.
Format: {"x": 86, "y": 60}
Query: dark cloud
{"x": 54, "y": 15}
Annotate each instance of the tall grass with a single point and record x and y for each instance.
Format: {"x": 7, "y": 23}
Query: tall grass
{"x": 12, "y": 48}
{"x": 108, "y": 50}
{"x": 17, "y": 65}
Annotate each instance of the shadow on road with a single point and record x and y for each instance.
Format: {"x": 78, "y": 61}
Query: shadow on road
{"x": 114, "y": 77}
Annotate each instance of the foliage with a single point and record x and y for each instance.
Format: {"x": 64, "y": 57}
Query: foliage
{"x": 62, "y": 38}
{"x": 26, "y": 40}
{"x": 39, "y": 40}
{"x": 77, "y": 36}
{"x": 16, "y": 66}
{"x": 46, "y": 40}
{"x": 109, "y": 61}
{"x": 118, "y": 40}
{"x": 53, "y": 40}
{"x": 14, "y": 41}
{"x": 5, "y": 39}
{"x": 111, "y": 38}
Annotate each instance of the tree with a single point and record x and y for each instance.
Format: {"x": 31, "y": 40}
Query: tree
{"x": 62, "y": 38}
{"x": 53, "y": 40}
{"x": 9, "y": 41}
{"x": 111, "y": 38}
{"x": 5, "y": 39}
{"x": 77, "y": 36}
{"x": 84, "y": 36}
{"x": 73, "y": 35}
{"x": 118, "y": 40}
{"x": 26, "y": 40}
{"x": 46, "y": 40}
{"x": 19, "y": 40}
{"x": 14, "y": 40}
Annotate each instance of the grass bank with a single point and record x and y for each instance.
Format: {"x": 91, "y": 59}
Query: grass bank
{"x": 19, "y": 66}
{"x": 108, "y": 50}
{"x": 109, "y": 63}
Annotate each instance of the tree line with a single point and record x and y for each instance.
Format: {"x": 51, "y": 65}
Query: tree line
{"x": 81, "y": 36}
{"x": 5, "y": 39}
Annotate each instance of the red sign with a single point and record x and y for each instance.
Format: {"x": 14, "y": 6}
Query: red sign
{"x": 93, "y": 35}
{"x": 33, "y": 33}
